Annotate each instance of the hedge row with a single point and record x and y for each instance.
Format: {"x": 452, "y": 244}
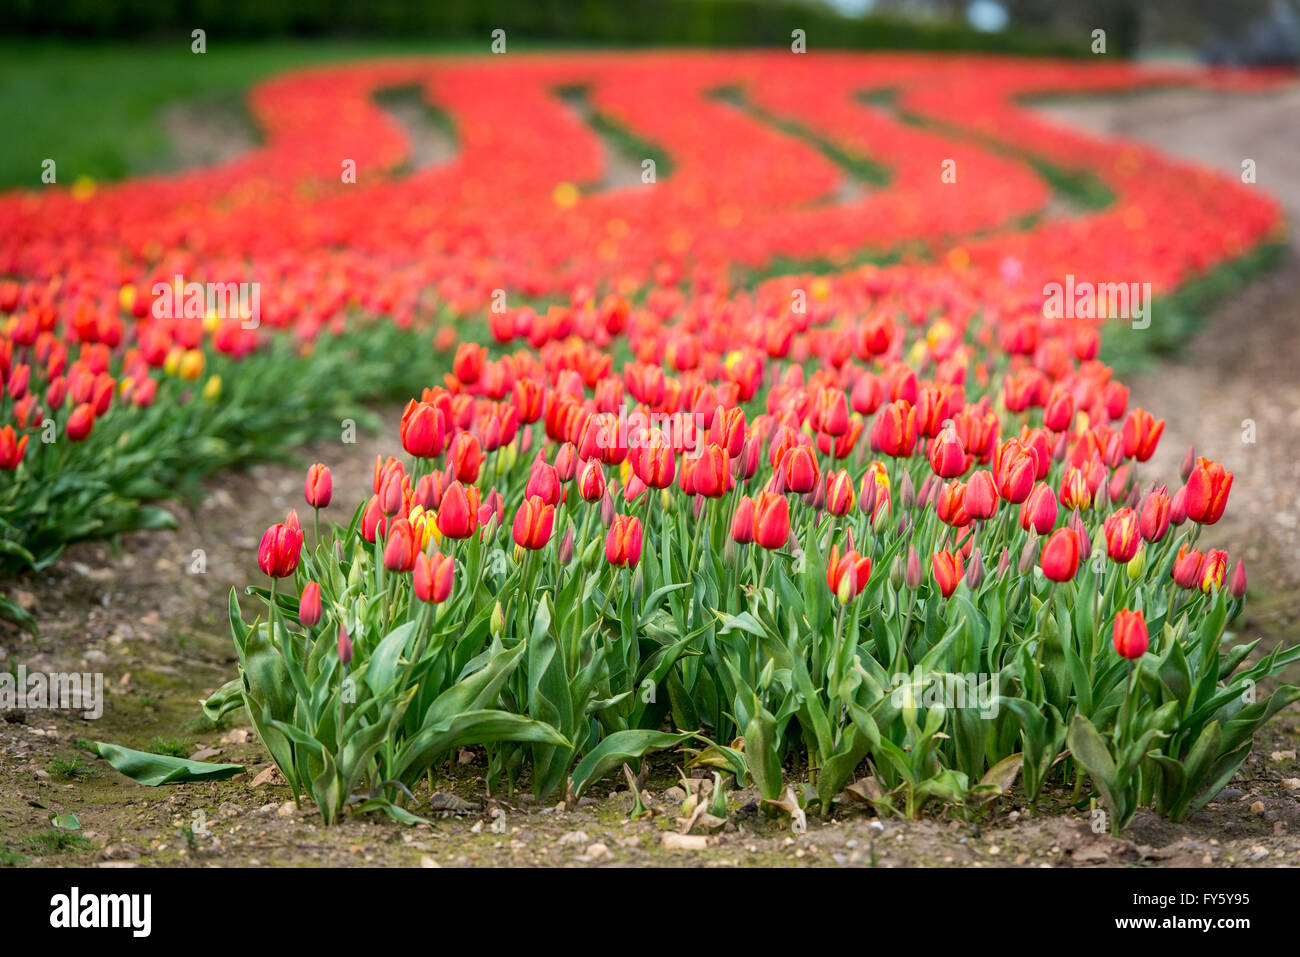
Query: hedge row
{"x": 677, "y": 22}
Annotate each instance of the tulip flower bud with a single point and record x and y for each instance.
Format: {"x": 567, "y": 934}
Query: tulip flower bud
{"x": 897, "y": 576}
{"x": 565, "y": 553}
{"x": 906, "y": 492}
{"x": 880, "y": 521}
{"x": 638, "y": 582}
{"x": 867, "y": 499}
{"x": 1137, "y": 564}
{"x": 1004, "y": 562}
{"x": 345, "y": 647}
{"x": 846, "y": 589}
{"x": 1238, "y": 586}
{"x": 309, "y": 605}
{"x": 1029, "y": 554}
{"x": 566, "y": 462}
{"x": 913, "y": 576}
{"x": 923, "y": 493}
{"x": 591, "y": 553}
{"x": 357, "y": 573}
{"x": 318, "y": 488}
{"x": 1189, "y": 462}
{"x": 1178, "y": 507}
{"x": 606, "y": 508}
{"x": 975, "y": 571}
{"x": 497, "y": 623}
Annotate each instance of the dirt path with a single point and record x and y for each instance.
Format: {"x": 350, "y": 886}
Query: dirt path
{"x": 1234, "y": 394}
{"x": 156, "y": 629}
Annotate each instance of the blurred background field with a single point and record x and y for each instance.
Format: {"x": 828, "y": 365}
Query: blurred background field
{"x": 91, "y": 82}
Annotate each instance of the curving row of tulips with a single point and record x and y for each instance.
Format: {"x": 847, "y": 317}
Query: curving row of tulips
{"x": 808, "y": 571}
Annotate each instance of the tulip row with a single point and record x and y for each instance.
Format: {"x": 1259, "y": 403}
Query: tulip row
{"x": 774, "y": 570}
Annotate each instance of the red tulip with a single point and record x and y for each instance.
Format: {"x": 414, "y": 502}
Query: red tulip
{"x": 894, "y": 432}
{"x": 1014, "y": 472}
{"x": 951, "y": 505}
{"x": 1178, "y": 507}
{"x": 1130, "y": 634}
{"x": 457, "y": 516}
{"x": 711, "y": 472}
{"x": 854, "y": 567}
{"x": 373, "y": 522}
{"x": 433, "y": 577}
{"x": 467, "y": 366}
{"x": 801, "y": 470}
{"x": 654, "y": 462}
{"x": 81, "y": 422}
{"x": 1075, "y": 492}
{"x": 423, "y": 430}
{"x": 771, "y": 520}
{"x": 1122, "y": 535}
{"x": 544, "y": 483}
{"x": 591, "y": 481}
{"x": 281, "y": 545}
{"x": 981, "y": 496}
{"x": 623, "y": 542}
{"x": 1060, "y": 557}
{"x": 742, "y": 525}
{"x": 729, "y": 431}
{"x": 318, "y": 488}
{"x": 1213, "y": 569}
{"x": 947, "y": 457}
{"x": 1154, "y": 519}
{"x": 1039, "y": 510}
{"x": 839, "y": 492}
{"x": 428, "y": 491}
{"x": 527, "y": 397}
{"x": 1141, "y": 433}
{"x": 1207, "y": 491}
{"x": 947, "y": 571}
{"x": 401, "y": 545}
{"x": 392, "y": 494}
{"x": 566, "y": 462}
{"x": 11, "y": 448}
{"x": 465, "y": 457}
{"x": 1059, "y": 411}
{"x": 831, "y": 412}
{"x": 1187, "y": 567}
{"x": 309, "y": 606}
{"x": 533, "y": 523}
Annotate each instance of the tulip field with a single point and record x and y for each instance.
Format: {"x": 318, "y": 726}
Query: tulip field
{"x": 796, "y": 460}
